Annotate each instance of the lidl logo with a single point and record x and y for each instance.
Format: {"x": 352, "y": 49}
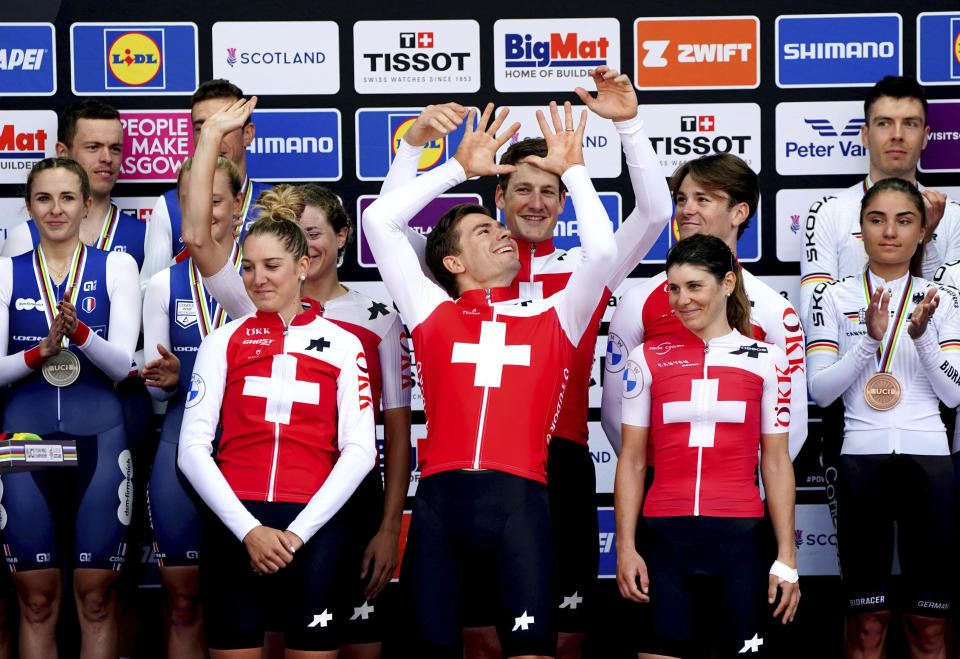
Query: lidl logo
{"x": 837, "y": 50}
{"x": 28, "y": 59}
{"x": 938, "y": 48}
{"x": 720, "y": 52}
{"x": 379, "y": 132}
{"x": 133, "y": 58}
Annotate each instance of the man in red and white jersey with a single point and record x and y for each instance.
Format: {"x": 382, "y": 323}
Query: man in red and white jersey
{"x": 531, "y": 200}
{"x": 494, "y": 370}
{"x": 895, "y": 132}
{"x": 715, "y": 195}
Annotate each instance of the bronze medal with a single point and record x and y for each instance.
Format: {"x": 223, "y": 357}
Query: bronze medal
{"x": 882, "y": 392}
{"x": 62, "y": 369}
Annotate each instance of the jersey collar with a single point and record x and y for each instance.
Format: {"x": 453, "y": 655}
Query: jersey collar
{"x": 312, "y": 310}
{"x": 478, "y": 297}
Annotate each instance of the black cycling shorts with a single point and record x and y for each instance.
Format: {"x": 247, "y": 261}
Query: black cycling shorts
{"x": 363, "y": 620}
{"x": 916, "y": 492}
{"x": 708, "y": 579}
{"x": 487, "y": 522}
{"x": 299, "y": 600}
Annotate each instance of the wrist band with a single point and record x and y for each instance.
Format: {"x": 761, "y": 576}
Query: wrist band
{"x": 784, "y": 572}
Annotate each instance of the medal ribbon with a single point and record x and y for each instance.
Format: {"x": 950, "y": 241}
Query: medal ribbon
{"x": 207, "y": 321}
{"x": 885, "y": 353}
{"x": 245, "y": 206}
{"x": 44, "y": 284}
{"x": 109, "y": 229}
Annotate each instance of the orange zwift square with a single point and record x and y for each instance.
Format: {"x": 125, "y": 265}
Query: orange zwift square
{"x": 717, "y": 52}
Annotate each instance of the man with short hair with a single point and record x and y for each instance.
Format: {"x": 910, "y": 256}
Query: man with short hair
{"x": 90, "y": 132}
{"x": 493, "y": 369}
{"x": 531, "y": 200}
{"x": 895, "y": 133}
{"x": 715, "y": 195}
{"x": 163, "y": 229}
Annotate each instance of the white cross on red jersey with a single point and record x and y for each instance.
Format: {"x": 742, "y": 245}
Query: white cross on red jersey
{"x": 706, "y": 407}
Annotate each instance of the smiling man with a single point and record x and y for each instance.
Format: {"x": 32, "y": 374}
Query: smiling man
{"x": 715, "y": 195}
{"x": 895, "y": 134}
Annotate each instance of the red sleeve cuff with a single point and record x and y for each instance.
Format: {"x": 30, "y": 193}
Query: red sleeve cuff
{"x": 81, "y": 334}
{"x": 32, "y": 357}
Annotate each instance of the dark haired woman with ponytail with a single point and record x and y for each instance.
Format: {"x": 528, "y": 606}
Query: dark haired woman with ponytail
{"x": 886, "y": 342}
{"x": 706, "y": 400}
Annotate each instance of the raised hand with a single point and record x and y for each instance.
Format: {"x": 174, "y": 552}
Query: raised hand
{"x": 478, "y": 150}
{"x": 922, "y": 314}
{"x": 230, "y": 118}
{"x": 435, "y": 122}
{"x": 564, "y": 142}
{"x": 163, "y": 373}
{"x": 616, "y": 98}
{"x": 935, "y": 203}
{"x": 878, "y": 314}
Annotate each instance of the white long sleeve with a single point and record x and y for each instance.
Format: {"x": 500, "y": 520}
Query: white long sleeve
{"x": 226, "y": 287}
{"x": 156, "y": 324}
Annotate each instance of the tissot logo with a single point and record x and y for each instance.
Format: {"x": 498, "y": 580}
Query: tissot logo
{"x": 399, "y": 56}
{"x": 679, "y": 133}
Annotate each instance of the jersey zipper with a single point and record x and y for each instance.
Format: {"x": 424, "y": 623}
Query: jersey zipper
{"x": 700, "y": 406}
{"x": 483, "y": 403}
{"x": 271, "y": 490}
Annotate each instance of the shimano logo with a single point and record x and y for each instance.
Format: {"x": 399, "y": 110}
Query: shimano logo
{"x": 305, "y": 144}
{"x": 839, "y": 50}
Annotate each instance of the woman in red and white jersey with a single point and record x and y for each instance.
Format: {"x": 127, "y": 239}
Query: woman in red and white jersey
{"x": 374, "y": 512}
{"x": 706, "y": 401}
{"x": 292, "y": 393}
{"x": 886, "y": 341}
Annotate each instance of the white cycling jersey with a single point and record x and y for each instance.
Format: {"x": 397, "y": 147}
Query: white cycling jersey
{"x": 841, "y": 357}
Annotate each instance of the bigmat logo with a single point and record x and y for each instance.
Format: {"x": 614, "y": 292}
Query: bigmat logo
{"x": 28, "y": 59}
{"x": 379, "y": 131}
{"x": 155, "y": 144}
{"x": 679, "y": 133}
{"x": 278, "y": 57}
{"x": 943, "y": 148}
{"x": 552, "y": 54}
{"x": 837, "y": 50}
{"x": 795, "y": 221}
{"x": 566, "y": 235}
{"x": 120, "y": 59}
{"x": 406, "y": 57}
{"x": 423, "y": 222}
{"x": 601, "y": 143}
{"x": 296, "y": 145}
{"x": 820, "y": 138}
{"x": 26, "y": 137}
{"x": 938, "y": 48}
{"x": 720, "y": 52}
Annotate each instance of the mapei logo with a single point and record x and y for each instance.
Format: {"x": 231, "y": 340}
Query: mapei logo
{"x": 401, "y": 56}
{"x": 719, "y": 52}
{"x": 28, "y": 59}
{"x": 837, "y": 50}
{"x": 295, "y": 145}
{"x": 938, "y": 48}
{"x": 825, "y": 127}
{"x": 379, "y": 132}
{"x": 133, "y": 58}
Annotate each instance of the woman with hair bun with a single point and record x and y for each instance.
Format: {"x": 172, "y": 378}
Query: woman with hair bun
{"x": 706, "y": 400}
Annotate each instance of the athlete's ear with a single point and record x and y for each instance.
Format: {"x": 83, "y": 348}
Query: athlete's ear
{"x": 303, "y": 265}
{"x": 739, "y": 213}
{"x": 498, "y": 197}
{"x": 729, "y": 283}
{"x": 342, "y": 236}
{"x": 454, "y": 264}
{"x": 864, "y": 133}
{"x": 63, "y": 151}
{"x": 249, "y": 131}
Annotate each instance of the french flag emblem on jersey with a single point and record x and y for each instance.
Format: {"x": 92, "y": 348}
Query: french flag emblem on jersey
{"x": 88, "y": 304}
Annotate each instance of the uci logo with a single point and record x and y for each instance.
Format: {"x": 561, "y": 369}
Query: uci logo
{"x": 134, "y": 58}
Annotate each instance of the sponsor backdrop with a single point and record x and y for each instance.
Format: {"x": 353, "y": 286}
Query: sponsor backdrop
{"x": 782, "y": 90}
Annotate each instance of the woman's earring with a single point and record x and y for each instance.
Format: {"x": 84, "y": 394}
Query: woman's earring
{"x": 303, "y": 278}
